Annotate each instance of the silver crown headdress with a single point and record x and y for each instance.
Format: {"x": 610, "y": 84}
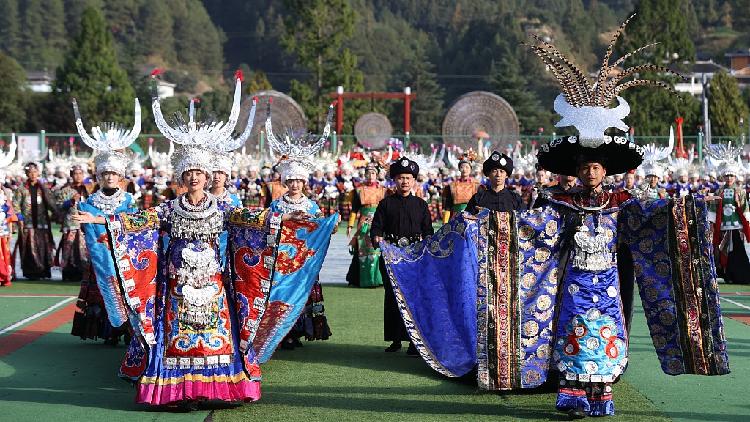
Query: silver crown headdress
{"x": 585, "y": 104}
{"x": 654, "y": 157}
{"x": 109, "y": 141}
{"x": 198, "y": 142}
{"x": 727, "y": 158}
{"x": 296, "y": 151}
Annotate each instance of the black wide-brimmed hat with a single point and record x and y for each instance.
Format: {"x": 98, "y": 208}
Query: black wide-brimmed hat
{"x": 563, "y": 155}
{"x": 403, "y": 165}
{"x": 497, "y": 161}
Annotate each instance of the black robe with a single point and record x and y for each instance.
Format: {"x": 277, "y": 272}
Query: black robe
{"x": 398, "y": 216}
{"x": 506, "y": 200}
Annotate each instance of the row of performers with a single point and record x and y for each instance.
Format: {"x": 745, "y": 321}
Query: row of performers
{"x": 446, "y": 195}
{"x": 466, "y": 192}
{"x": 208, "y": 289}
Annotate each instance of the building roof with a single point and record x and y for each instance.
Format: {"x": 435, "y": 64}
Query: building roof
{"x": 738, "y": 53}
{"x": 698, "y": 67}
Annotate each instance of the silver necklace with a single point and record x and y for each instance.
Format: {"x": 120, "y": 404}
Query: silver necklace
{"x": 288, "y": 205}
{"x": 201, "y": 222}
{"x": 108, "y": 203}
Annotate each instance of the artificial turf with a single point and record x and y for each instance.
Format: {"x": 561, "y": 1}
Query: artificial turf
{"x": 349, "y": 377}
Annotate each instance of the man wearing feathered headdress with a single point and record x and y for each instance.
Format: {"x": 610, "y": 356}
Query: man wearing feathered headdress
{"x": 534, "y": 296}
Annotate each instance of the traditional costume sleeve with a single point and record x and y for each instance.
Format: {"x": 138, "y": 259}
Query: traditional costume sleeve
{"x": 482, "y": 293}
{"x": 674, "y": 267}
{"x": 134, "y": 245}
{"x": 251, "y": 238}
{"x": 103, "y": 266}
{"x": 294, "y": 266}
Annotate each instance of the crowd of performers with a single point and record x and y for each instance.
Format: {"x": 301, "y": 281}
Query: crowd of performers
{"x": 519, "y": 267}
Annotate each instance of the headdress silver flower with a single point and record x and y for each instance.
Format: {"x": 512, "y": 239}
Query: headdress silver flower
{"x": 296, "y": 151}
{"x": 198, "y": 142}
{"x": 109, "y": 141}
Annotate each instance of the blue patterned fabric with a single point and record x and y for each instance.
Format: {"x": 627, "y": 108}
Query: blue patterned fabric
{"x": 101, "y": 259}
{"x": 500, "y": 273}
{"x": 674, "y": 267}
{"x": 539, "y": 248}
{"x": 435, "y": 285}
{"x": 301, "y": 249}
{"x": 591, "y": 341}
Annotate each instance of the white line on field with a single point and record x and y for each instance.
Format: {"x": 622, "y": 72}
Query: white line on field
{"x": 36, "y": 315}
{"x": 735, "y": 303}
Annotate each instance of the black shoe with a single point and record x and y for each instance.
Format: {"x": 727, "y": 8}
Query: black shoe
{"x": 577, "y": 413}
{"x": 287, "y": 344}
{"x": 394, "y": 347}
{"x": 297, "y": 343}
{"x": 412, "y": 350}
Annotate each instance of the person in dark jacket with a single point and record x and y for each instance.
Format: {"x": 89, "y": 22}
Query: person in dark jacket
{"x": 401, "y": 218}
{"x": 497, "y": 197}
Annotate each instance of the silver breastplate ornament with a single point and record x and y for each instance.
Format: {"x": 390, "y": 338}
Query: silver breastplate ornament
{"x": 591, "y": 251}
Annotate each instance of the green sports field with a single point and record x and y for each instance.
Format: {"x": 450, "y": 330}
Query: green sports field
{"x": 48, "y": 375}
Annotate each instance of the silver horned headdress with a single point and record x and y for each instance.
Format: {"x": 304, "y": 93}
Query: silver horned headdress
{"x": 654, "y": 157}
{"x": 296, "y": 151}
{"x": 109, "y": 140}
{"x": 584, "y": 104}
{"x": 198, "y": 142}
{"x": 726, "y": 157}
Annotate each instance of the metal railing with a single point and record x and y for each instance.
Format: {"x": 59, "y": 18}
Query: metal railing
{"x": 65, "y": 143}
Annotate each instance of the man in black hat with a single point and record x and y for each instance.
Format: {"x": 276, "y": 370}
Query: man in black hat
{"x": 497, "y": 198}
{"x": 401, "y": 218}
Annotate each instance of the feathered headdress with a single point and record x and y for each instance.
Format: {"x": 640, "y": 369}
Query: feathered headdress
{"x": 109, "y": 141}
{"x": 296, "y": 151}
{"x": 584, "y": 104}
{"x": 198, "y": 142}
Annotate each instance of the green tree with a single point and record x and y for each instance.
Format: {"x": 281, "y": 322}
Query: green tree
{"x": 10, "y": 38}
{"x": 726, "y": 105}
{"x": 315, "y": 34}
{"x": 198, "y": 42}
{"x": 91, "y": 74}
{"x": 655, "y": 109}
{"x": 506, "y": 80}
{"x": 32, "y": 40}
{"x": 13, "y": 94}
{"x": 156, "y": 37}
{"x": 428, "y": 107}
{"x": 54, "y": 32}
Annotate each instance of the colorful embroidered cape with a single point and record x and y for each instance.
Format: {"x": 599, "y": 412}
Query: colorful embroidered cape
{"x": 484, "y": 293}
{"x": 302, "y": 247}
{"x": 101, "y": 259}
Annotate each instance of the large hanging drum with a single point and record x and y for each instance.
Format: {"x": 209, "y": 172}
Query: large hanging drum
{"x": 286, "y": 114}
{"x": 373, "y": 130}
{"x": 477, "y": 112}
